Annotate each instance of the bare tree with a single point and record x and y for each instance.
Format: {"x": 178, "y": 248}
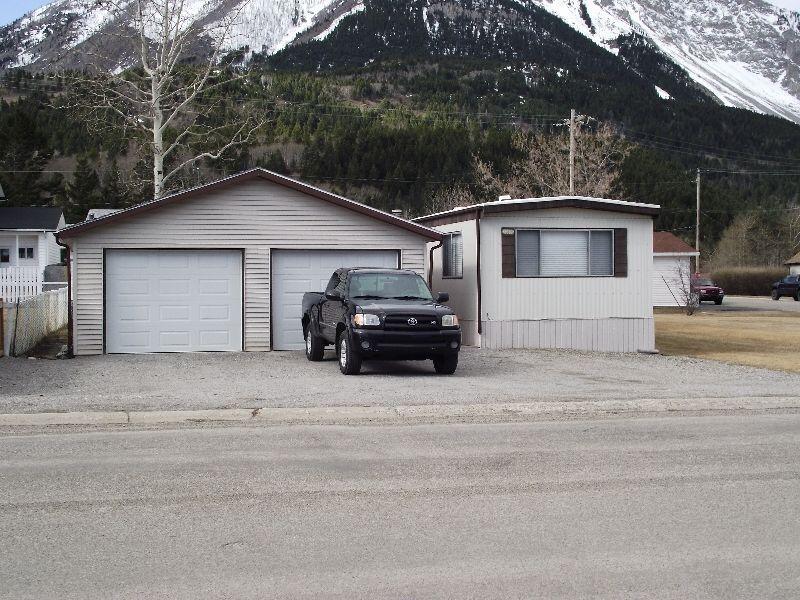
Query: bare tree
{"x": 158, "y": 94}
{"x": 544, "y": 166}
{"x": 685, "y": 295}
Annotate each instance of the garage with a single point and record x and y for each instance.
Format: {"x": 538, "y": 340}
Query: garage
{"x": 222, "y": 267}
{"x": 295, "y": 272}
{"x": 671, "y": 269}
{"x": 173, "y": 301}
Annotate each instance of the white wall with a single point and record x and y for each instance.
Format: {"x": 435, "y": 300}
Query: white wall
{"x": 794, "y": 270}
{"x": 588, "y": 313}
{"x": 463, "y": 292}
{"x": 254, "y": 215}
{"x": 669, "y": 286}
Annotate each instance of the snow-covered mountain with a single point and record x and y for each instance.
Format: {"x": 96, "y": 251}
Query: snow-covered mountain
{"x": 744, "y": 52}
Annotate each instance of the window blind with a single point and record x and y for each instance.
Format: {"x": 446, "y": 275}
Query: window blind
{"x": 527, "y": 253}
{"x": 564, "y": 253}
{"x": 602, "y": 253}
{"x": 453, "y": 256}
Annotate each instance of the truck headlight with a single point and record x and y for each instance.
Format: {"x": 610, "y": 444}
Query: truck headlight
{"x": 366, "y": 320}
{"x": 449, "y": 321}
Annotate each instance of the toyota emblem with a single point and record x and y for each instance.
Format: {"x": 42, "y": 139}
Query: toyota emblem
{"x": 412, "y": 321}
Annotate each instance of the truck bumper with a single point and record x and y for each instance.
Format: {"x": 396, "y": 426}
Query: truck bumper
{"x": 400, "y": 345}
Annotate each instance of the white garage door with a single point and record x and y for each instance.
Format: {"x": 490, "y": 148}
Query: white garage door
{"x": 173, "y": 300}
{"x": 668, "y": 284}
{"x": 295, "y": 272}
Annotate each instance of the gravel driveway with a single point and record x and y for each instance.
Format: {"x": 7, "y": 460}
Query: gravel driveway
{"x": 287, "y": 379}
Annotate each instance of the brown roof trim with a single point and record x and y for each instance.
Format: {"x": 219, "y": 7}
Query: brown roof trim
{"x": 795, "y": 260}
{"x": 467, "y": 213}
{"x": 73, "y": 230}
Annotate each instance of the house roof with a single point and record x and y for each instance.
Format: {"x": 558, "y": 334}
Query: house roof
{"x": 795, "y": 260}
{"x": 36, "y": 218}
{"x": 499, "y": 206}
{"x": 665, "y": 242}
{"x": 251, "y": 175}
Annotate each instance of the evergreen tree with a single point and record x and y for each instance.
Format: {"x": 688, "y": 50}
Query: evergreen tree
{"x": 112, "y": 194}
{"x": 83, "y": 192}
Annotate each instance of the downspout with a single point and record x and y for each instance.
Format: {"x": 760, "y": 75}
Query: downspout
{"x": 430, "y": 262}
{"x": 478, "y": 216}
{"x": 70, "y": 344}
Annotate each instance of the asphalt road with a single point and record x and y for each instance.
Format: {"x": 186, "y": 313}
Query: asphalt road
{"x": 702, "y": 507}
{"x": 754, "y": 303}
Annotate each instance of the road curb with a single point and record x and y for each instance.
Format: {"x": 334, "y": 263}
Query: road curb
{"x": 402, "y": 414}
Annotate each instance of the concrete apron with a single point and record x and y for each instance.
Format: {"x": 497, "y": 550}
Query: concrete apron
{"x": 354, "y": 415}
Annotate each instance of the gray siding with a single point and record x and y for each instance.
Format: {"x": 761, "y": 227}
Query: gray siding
{"x": 255, "y": 216}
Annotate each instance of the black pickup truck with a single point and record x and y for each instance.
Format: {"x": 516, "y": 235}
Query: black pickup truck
{"x": 380, "y": 314}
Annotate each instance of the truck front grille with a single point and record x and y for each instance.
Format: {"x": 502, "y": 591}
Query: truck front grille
{"x": 411, "y": 322}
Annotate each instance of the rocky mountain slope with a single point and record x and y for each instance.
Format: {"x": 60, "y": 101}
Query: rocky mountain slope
{"x": 745, "y": 53}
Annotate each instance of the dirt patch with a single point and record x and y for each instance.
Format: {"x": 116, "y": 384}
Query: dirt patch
{"x": 757, "y": 339}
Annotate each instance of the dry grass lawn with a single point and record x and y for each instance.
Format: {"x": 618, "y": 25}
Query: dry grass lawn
{"x": 758, "y": 339}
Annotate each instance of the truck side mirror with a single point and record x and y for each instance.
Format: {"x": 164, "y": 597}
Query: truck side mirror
{"x": 442, "y": 297}
{"x": 333, "y": 295}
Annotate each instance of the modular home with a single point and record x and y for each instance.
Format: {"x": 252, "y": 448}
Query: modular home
{"x": 566, "y": 272}
{"x": 672, "y": 269}
{"x": 223, "y": 267}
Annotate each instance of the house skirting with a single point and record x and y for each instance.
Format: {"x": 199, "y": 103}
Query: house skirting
{"x": 598, "y": 335}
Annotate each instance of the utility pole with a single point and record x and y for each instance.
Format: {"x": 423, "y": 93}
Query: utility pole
{"x": 697, "y": 226}
{"x": 572, "y": 152}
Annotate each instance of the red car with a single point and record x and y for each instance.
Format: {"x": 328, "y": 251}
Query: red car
{"x": 707, "y": 290}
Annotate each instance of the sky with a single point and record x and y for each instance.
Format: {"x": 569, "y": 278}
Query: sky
{"x": 12, "y": 9}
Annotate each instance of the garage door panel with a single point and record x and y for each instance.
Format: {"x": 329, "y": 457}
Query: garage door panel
{"x": 295, "y": 272}
{"x": 178, "y": 305}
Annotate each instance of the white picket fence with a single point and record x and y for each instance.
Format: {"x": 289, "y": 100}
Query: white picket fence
{"x": 20, "y": 283}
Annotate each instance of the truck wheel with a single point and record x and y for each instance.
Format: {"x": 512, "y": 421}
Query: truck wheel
{"x": 349, "y": 360}
{"x": 775, "y": 295}
{"x": 797, "y": 297}
{"x": 315, "y": 349}
{"x": 446, "y": 365}
{"x": 718, "y": 302}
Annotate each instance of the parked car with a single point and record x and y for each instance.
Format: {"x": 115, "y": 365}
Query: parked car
{"x": 788, "y": 286}
{"x": 380, "y": 314}
{"x": 707, "y": 290}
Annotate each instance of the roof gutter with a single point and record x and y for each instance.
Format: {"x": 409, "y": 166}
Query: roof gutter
{"x": 70, "y": 341}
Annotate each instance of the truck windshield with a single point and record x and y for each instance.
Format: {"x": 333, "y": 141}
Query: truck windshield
{"x": 397, "y": 286}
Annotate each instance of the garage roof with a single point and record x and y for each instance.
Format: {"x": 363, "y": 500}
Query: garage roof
{"x": 253, "y": 174}
{"x": 665, "y": 242}
{"x": 795, "y": 260}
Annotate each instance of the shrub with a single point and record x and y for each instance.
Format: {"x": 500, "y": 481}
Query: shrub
{"x": 748, "y": 281}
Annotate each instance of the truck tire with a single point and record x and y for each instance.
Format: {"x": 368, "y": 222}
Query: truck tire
{"x": 797, "y": 297}
{"x": 775, "y": 295}
{"x": 718, "y": 301}
{"x": 446, "y": 365}
{"x": 315, "y": 348}
{"x": 349, "y": 359}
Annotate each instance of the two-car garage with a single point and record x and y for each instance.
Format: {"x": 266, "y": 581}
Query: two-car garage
{"x": 223, "y": 267}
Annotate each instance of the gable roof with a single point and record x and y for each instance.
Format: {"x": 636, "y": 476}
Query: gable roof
{"x": 498, "y": 206}
{"x": 795, "y": 260}
{"x": 32, "y": 218}
{"x": 665, "y": 242}
{"x": 251, "y": 175}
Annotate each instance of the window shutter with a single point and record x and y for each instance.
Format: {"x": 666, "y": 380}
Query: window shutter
{"x": 509, "y": 252}
{"x": 620, "y": 253}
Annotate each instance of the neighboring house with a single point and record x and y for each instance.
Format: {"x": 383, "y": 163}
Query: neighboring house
{"x": 96, "y": 213}
{"x": 672, "y": 269}
{"x": 223, "y": 267}
{"x": 794, "y": 264}
{"x": 27, "y": 246}
{"x": 565, "y": 272}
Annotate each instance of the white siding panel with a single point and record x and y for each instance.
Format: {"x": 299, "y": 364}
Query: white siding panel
{"x": 254, "y": 216}
{"x": 591, "y": 335}
{"x": 668, "y": 283}
{"x": 463, "y": 292}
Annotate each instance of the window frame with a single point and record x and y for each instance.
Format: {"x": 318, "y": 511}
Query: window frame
{"x": 26, "y": 253}
{"x": 588, "y": 231}
{"x": 451, "y": 235}
{"x": 7, "y": 253}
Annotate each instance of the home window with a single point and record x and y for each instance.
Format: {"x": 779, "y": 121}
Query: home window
{"x": 565, "y": 253}
{"x": 5, "y": 255}
{"x": 26, "y": 253}
{"x": 453, "y": 265}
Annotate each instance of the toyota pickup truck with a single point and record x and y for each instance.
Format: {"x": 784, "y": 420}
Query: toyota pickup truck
{"x": 380, "y": 314}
